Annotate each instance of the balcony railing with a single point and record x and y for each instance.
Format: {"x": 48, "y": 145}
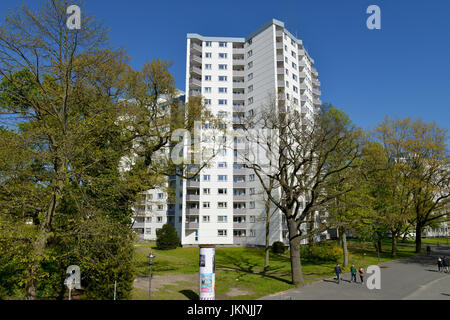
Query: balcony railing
{"x": 238, "y": 61}
{"x": 191, "y": 225}
{"x": 316, "y": 82}
{"x": 240, "y": 197}
{"x": 239, "y": 225}
{"x": 238, "y": 96}
{"x": 196, "y": 70}
{"x": 192, "y": 211}
{"x": 317, "y": 92}
{"x": 239, "y": 211}
{"x": 196, "y": 58}
{"x": 195, "y": 82}
{"x": 192, "y": 183}
{"x": 192, "y": 197}
{"x": 238, "y": 51}
{"x": 196, "y": 47}
{"x": 317, "y": 101}
{"x": 302, "y": 75}
{"x": 238, "y": 73}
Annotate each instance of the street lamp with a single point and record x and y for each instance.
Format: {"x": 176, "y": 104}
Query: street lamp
{"x": 151, "y": 256}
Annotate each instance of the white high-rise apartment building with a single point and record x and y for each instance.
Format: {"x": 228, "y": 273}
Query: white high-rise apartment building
{"x": 235, "y": 76}
{"x": 225, "y": 205}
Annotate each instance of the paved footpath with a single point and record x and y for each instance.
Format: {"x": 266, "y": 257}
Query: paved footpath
{"x": 411, "y": 278}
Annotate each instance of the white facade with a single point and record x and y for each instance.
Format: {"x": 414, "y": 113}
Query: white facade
{"x": 225, "y": 205}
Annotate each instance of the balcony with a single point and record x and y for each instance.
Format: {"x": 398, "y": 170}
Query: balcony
{"x": 196, "y": 70}
{"x": 316, "y": 82}
{"x": 238, "y": 107}
{"x": 238, "y": 84}
{"x": 317, "y": 92}
{"x": 196, "y": 47}
{"x": 196, "y": 58}
{"x": 239, "y": 184}
{"x": 302, "y": 75}
{"x": 192, "y": 197}
{"x": 238, "y": 120}
{"x": 195, "y": 93}
{"x": 192, "y": 211}
{"x": 139, "y": 225}
{"x": 317, "y": 102}
{"x": 279, "y": 33}
{"x": 238, "y": 62}
{"x": 239, "y": 171}
{"x": 191, "y": 225}
{"x": 195, "y": 82}
{"x": 239, "y": 211}
{"x": 303, "y": 87}
{"x": 240, "y": 197}
{"x": 314, "y": 72}
{"x": 280, "y": 57}
{"x": 238, "y": 96}
{"x": 280, "y": 83}
{"x": 238, "y": 73}
{"x": 239, "y": 225}
{"x": 238, "y": 51}
{"x": 280, "y": 71}
{"x": 302, "y": 63}
{"x": 192, "y": 184}
{"x": 280, "y": 45}
{"x": 301, "y": 52}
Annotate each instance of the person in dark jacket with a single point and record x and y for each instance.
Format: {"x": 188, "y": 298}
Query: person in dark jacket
{"x": 445, "y": 264}
{"x": 338, "y": 272}
{"x": 439, "y": 263}
{"x": 353, "y": 272}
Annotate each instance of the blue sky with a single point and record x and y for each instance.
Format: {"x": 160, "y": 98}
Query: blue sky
{"x": 402, "y": 69}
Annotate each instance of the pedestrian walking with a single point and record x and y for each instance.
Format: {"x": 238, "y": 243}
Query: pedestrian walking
{"x": 361, "y": 274}
{"x": 428, "y": 250}
{"x": 337, "y": 270}
{"x": 439, "y": 263}
{"x": 445, "y": 264}
{"x": 353, "y": 271}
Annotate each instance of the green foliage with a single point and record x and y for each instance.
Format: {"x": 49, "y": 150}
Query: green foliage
{"x": 323, "y": 252}
{"x": 167, "y": 238}
{"x": 278, "y": 247}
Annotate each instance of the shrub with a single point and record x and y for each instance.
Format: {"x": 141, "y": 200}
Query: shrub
{"x": 278, "y": 247}
{"x": 324, "y": 252}
{"x": 167, "y": 238}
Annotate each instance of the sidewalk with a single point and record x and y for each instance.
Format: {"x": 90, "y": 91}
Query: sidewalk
{"x": 412, "y": 278}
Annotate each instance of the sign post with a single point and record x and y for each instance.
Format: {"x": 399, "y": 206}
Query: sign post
{"x": 207, "y": 272}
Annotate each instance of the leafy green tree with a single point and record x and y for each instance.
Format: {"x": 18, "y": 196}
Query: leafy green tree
{"x": 167, "y": 238}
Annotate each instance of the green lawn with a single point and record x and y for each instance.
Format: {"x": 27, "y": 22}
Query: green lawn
{"x": 442, "y": 241}
{"x": 238, "y": 270}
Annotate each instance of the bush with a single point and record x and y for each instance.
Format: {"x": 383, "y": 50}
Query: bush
{"x": 324, "y": 252}
{"x": 278, "y": 247}
{"x": 167, "y": 238}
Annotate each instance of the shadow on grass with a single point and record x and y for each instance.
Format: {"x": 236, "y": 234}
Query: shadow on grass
{"x": 191, "y": 295}
{"x": 244, "y": 264}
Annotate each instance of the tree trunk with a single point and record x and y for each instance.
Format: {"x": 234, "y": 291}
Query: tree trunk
{"x": 310, "y": 227}
{"x": 394, "y": 245}
{"x": 418, "y": 238}
{"x": 267, "y": 247}
{"x": 344, "y": 248}
{"x": 296, "y": 264}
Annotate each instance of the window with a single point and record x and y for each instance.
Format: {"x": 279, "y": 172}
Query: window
{"x": 251, "y": 177}
{"x": 207, "y": 78}
{"x": 222, "y": 67}
{"x": 222, "y": 191}
{"x": 250, "y": 100}
{"x": 207, "y": 101}
{"x": 206, "y": 205}
{"x": 250, "y": 64}
{"x": 208, "y": 44}
{"x": 294, "y": 77}
{"x": 285, "y": 47}
{"x": 150, "y": 196}
{"x": 148, "y": 231}
{"x": 250, "y": 76}
{"x": 252, "y": 204}
{"x": 222, "y": 101}
{"x": 205, "y": 219}
{"x": 160, "y": 207}
{"x": 222, "y": 165}
{"x": 160, "y": 195}
{"x": 250, "y": 88}
{"x": 208, "y": 67}
{"x": 222, "y": 219}
{"x": 295, "y": 88}
{"x": 206, "y": 191}
{"x": 295, "y": 101}
{"x": 286, "y": 60}
{"x": 207, "y": 89}
{"x": 294, "y": 65}
{"x": 223, "y": 152}
{"x": 221, "y": 233}
{"x": 148, "y": 219}
{"x": 293, "y": 54}
{"x": 222, "y": 178}
{"x": 159, "y": 219}
{"x": 252, "y": 233}
{"x": 287, "y": 84}
{"x": 252, "y": 191}
{"x": 223, "y": 55}
{"x": 206, "y": 177}
{"x": 222, "y": 90}
{"x": 222, "y": 44}
{"x": 221, "y": 205}
{"x": 221, "y": 114}
{"x": 252, "y": 219}
{"x": 250, "y": 41}
{"x": 222, "y": 78}
{"x": 249, "y": 54}
{"x": 287, "y": 72}
{"x": 208, "y": 55}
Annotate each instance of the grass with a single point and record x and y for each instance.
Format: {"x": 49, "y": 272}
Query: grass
{"x": 239, "y": 270}
{"x": 442, "y": 241}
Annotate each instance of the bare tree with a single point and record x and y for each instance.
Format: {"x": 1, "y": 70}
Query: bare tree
{"x": 300, "y": 152}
